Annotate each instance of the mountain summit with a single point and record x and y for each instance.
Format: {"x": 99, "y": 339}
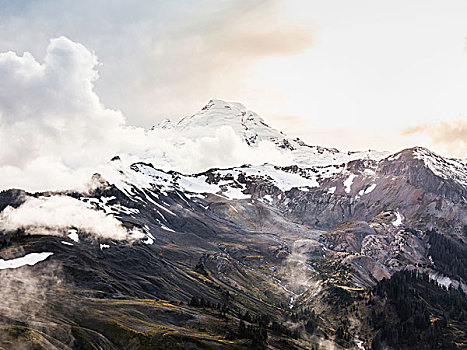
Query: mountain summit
{"x": 217, "y": 114}
{"x": 252, "y": 129}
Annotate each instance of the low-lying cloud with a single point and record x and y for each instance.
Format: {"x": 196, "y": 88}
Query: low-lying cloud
{"x": 55, "y": 215}
{"x": 55, "y": 133}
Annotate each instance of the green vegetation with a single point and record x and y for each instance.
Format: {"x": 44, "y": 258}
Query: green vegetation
{"x": 416, "y": 313}
{"x": 450, "y": 257}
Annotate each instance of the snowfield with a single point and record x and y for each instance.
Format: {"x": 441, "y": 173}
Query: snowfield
{"x": 29, "y": 259}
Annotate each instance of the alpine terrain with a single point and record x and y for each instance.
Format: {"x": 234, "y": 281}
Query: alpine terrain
{"x": 323, "y": 250}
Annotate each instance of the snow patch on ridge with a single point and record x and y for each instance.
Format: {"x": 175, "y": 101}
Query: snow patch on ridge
{"x": 142, "y": 176}
{"x": 398, "y": 220}
{"x": 28, "y": 259}
{"x": 446, "y": 168}
{"x": 370, "y": 189}
{"x": 73, "y": 235}
{"x": 348, "y": 183}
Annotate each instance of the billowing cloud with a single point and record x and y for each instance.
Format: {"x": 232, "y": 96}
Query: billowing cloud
{"x": 51, "y": 121}
{"x": 448, "y": 135}
{"x": 55, "y": 133}
{"x": 157, "y": 53}
{"x": 334, "y": 68}
{"x": 191, "y": 153}
{"x": 57, "y": 214}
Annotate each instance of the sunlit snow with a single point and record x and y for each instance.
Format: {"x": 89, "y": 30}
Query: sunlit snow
{"x": 348, "y": 182}
{"x": 28, "y": 259}
{"x": 398, "y": 220}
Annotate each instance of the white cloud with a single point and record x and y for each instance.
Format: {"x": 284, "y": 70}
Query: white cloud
{"x": 55, "y": 133}
{"x": 51, "y": 121}
{"x": 156, "y": 51}
{"x": 55, "y": 215}
{"x": 352, "y": 69}
{"x": 223, "y": 148}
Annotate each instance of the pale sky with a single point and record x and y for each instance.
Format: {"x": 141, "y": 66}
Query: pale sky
{"x": 348, "y": 74}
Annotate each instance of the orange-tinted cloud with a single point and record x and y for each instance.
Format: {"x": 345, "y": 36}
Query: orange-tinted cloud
{"x": 451, "y": 135}
{"x": 260, "y": 30}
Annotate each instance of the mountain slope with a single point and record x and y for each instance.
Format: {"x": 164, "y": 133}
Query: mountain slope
{"x": 282, "y": 257}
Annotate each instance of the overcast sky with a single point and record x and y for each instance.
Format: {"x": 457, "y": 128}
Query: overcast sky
{"x": 348, "y": 74}
{"x": 353, "y": 74}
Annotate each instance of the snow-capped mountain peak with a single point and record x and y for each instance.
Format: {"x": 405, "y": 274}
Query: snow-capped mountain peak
{"x": 165, "y": 124}
{"x": 218, "y": 113}
{"x": 448, "y": 168}
{"x": 221, "y": 104}
{"x": 252, "y": 129}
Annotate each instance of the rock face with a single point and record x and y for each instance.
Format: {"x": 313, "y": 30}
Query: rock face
{"x": 266, "y": 239}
